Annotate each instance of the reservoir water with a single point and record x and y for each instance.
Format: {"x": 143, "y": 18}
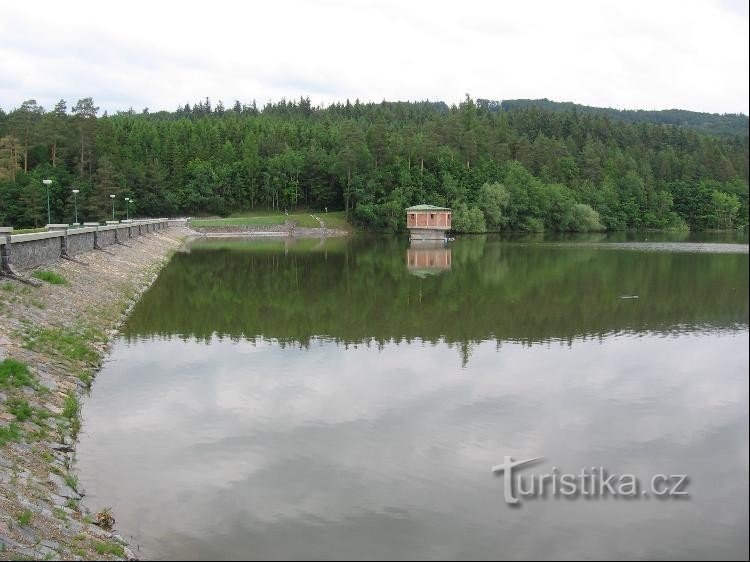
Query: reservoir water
{"x": 347, "y": 399}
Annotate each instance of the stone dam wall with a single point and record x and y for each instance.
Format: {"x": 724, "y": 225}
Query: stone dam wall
{"x": 19, "y": 252}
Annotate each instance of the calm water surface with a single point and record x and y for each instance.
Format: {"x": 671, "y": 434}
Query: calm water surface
{"x": 346, "y": 399}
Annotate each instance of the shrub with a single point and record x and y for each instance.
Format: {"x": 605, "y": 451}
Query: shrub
{"x": 533, "y": 224}
{"x": 584, "y": 219}
{"x": 469, "y": 220}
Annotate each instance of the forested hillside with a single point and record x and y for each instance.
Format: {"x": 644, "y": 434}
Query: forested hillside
{"x": 523, "y": 168}
{"x": 712, "y": 123}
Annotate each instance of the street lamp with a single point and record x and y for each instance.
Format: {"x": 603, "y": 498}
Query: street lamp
{"x": 127, "y": 208}
{"x": 47, "y": 183}
{"x": 113, "y": 206}
{"x": 75, "y": 202}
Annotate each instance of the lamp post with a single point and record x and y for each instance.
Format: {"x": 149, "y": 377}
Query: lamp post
{"x": 127, "y": 208}
{"x": 113, "y": 206}
{"x": 75, "y": 202}
{"x": 47, "y": 182}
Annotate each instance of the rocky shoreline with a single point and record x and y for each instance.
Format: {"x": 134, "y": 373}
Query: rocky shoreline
{"x": 53, "y": 337}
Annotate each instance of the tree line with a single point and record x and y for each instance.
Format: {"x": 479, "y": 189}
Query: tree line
{"x": 522, "y": 168}
{"x": 727, "y": 124}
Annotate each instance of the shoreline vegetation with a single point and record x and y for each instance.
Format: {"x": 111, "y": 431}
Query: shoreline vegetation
{"x": 53, "y": 339}
{"x": 518, "y": 165}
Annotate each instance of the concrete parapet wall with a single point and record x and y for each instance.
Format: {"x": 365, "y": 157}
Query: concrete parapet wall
{"x": 80, "y": 240}
{"x": 28, "y": 251}
{"x": 34, "y": 252}
{"x": 105, "y": 236}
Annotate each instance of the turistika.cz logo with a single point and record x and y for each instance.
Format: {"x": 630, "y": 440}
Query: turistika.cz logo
{"x": 590, "y": 482}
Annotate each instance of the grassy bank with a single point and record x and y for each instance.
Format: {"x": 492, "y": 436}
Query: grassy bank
{"x": 52, "y": 341}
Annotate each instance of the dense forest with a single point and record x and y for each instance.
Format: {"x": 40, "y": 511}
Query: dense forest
{"x": 712, "y": 123}
{"x": 519, "y": 167}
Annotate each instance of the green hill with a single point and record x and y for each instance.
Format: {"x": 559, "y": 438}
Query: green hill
{"x": 710, "y": 123}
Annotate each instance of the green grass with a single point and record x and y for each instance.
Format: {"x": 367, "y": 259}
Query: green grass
{"x": 16, "y": 374}
{"x": 86, "y": 378}
{"x": 10, "y": 433}
{"x": 306, "y": 221}
{"x": 72, "y": 344}
{"x": 335, "y": 219}
{"x": 59, "y": 513}
{"x": 71, "y": 481}
{"x": 70, "y": 409}
{"x": 259, "y": 213}
{"x": 25, "y": 518}
{"x": 240, "y": 221}
{"x": 70, "y": 412}
{"x": 20, "y": 408}
{"x": 49, "y": 277}
{"x": 104, "y": 548}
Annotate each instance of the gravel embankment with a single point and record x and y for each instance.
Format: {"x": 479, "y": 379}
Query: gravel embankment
{"x": 52, "y": 341}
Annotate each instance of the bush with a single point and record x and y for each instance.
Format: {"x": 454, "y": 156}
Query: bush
{"x": 533, "y": 224}
{"x": 469, "y": 220}
{"x": 493, "y": 199}
{"x": 584, "y": 219}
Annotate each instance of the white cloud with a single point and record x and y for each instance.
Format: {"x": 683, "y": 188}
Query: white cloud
{"x": 649, "y": 55}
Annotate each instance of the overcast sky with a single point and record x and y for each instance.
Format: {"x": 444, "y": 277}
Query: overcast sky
{"x": 653, "y": 54}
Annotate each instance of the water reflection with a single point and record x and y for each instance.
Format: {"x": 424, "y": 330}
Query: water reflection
{"x": 251, "y": 450}
{"x": 358, "y": 291}
{"x": 428, "y": 257}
